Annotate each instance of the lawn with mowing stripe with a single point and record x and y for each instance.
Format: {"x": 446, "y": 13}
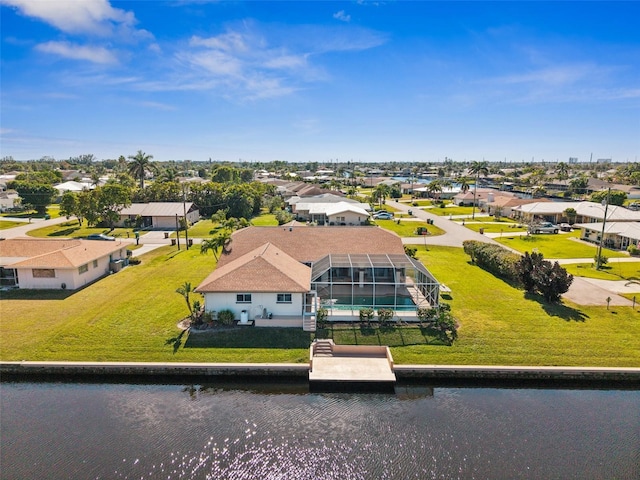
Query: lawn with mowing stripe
{"x": 496, "y": 227}
{"x": 500, "y": 325}
{"x": 446, "y": 211}
{"x": 132, "y": 316}
{"x": 128, "y": 316}
{"x": 74, "y": 230}
{"x": 561, "y": 245}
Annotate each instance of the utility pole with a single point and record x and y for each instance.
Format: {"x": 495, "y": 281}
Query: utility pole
{"x": 186, "y": 224}
{"x": 178, "y": 231}
{"x": 604, "y": 223}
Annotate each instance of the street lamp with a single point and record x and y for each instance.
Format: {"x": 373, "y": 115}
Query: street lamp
{"x": 604, "y": 223}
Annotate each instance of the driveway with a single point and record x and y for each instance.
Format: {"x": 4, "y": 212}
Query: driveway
{"x": 583, "y": 291}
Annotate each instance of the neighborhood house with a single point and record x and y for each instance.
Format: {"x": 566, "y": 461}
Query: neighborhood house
{"x": 281, "y": 276}
{"x": 159, "y": 215}
{"x": 69, "y": 264}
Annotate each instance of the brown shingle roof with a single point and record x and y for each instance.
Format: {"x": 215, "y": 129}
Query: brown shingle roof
{"x": 308, "y": 244}
{"x": 265, "y": 269}
{"x": 53, "y": 253}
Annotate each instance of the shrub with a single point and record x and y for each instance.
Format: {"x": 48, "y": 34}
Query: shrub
{"x": 552, "y": 280}
{"x": 410, "y": 251}
{"x": 493, "y": 258}
{"x": 603, "y": 260}
{"x": 385, "y": 316}
{"x": 633, "y": 250}
{"x": 134, "y": 261}
{"x": 366, "y": 314}
{"x": 321, "y": 317}
{"x": 226, "y": 317}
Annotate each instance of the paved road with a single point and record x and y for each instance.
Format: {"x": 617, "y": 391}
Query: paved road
{"x": 583, "y": 291}
{"x": 455, "y": 233}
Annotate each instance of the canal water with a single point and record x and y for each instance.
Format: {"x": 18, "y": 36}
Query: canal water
{"x": 123, "y": 431}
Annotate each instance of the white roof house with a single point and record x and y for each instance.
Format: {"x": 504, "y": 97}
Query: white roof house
{"x": 73, "y": 186}
{"x": 160, "y": 214}
{"x": 617, "y": 235}
{"x": 586, "y": 211}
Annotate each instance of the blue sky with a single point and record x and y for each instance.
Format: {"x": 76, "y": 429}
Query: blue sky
{"x": 320, "y": 81}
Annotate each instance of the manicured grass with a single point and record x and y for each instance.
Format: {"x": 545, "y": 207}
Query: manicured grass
{"x": 128, "y": 316}
{"x": 558, "y": 245}
{"x": 391, "y": 336}
{"x": 265, "y": 220}
{"x": 73, "y": 230}
{"x": 202, "y": 229}
{"x": 499, "y": 325}
{"x": 408, "y": 228}
{"x": 611, "y": 271}
{"x": 446, "y": 211}
{"x": 4, "y": 224}
{"x": 495, "y": 227}
{"x": 132, "y": 316}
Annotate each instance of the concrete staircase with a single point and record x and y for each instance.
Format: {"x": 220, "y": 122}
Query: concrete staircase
{"x": 323, "y": 348}
{"x": 309, "y": 323}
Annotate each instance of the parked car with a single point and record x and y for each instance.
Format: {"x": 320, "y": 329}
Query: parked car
{"x": 100, "y": 236}
{"x": 565, "y": 227}
{"x": 383, "y": 216}
{"x": 546, "y": 227}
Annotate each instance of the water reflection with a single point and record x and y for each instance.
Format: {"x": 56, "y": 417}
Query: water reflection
{"x": 221, "y": 431}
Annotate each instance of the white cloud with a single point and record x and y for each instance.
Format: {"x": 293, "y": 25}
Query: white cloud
{"x": 342, "y": 16}
{"x": 76, "y": 16}
{"x": 78, "y": 52}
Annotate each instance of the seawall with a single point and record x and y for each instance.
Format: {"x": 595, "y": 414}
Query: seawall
{"x": 623, "y": 377}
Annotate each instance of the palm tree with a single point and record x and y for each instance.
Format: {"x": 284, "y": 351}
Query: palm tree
{"x": 464, "y": 185}
{"x": 476, "y": 169}
{"x": 381, "y": 192}
{"x": 562, "y": 170}
{"x": 140, "y": 165}
{"x": 434, "y": 188}
{"x": 185, "y": 290}
{"x": 221, "y": 240}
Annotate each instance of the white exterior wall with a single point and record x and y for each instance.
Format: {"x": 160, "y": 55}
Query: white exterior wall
{"x": 351, "y": 218}
{"x": 259, "y": 301}
{"x": 69, "y": 276}
{"x": 169, "y": 223}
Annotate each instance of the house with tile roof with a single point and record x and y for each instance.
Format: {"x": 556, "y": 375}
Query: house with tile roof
{"x": 40, "y": 263}
{"x": 281, "y": 276}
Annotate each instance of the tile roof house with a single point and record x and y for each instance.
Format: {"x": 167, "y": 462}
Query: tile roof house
{"x": 280, "y": 276}
{"x": 39, "y": 263}
{"x": 159, "y": 215}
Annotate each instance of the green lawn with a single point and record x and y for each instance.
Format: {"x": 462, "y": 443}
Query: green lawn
{"x": 73, "y": 230}
{"x": 498, "y": 325}
{"x": 611, "y": 271}
{"x": 556, "y": 246}
{"x": 4, "y": 224}
{"x": 52, "y": 210}
{"x": 505, "y": 227}
{"x": 132, "y": 316}
{"x": 265, "y": 220}
{"x": 445, "y": 212}
{"x": 202, "y": 229}
{"x": 408, "y": 228}
{"x": 129, "y": 316}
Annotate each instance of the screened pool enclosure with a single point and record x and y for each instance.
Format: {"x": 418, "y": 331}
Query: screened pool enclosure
{"x": 346, "y": 283}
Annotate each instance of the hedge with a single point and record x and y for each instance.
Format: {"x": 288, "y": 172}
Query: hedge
{"x": 494, "y": 258}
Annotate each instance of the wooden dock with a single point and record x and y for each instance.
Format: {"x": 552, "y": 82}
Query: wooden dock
{"x": 349, "y": 367}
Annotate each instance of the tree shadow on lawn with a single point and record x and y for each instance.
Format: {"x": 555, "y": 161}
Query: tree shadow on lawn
{"x": 32, "y": 295}
{"x": 67, "y": 232}
{"x": 250, "y": 337}
{"x": 558, "y": 309}
{"x": 175, "y": 341}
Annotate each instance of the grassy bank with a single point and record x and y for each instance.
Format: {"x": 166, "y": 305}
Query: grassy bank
{"x": 563, "y": 245}
{"x": 132, "y": 316}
